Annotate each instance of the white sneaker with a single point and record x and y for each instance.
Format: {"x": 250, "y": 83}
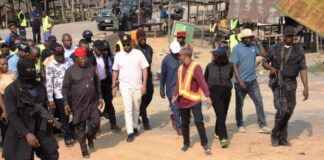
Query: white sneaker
{"x": 241, "y": 129}
{"x": 216, "y": 136}
{"x": 265, "y": 130}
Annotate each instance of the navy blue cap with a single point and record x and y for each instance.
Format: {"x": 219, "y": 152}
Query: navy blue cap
{"x": 220, "y": 51}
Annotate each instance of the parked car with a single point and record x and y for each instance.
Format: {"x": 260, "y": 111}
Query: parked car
{"x": 129, "y": 15}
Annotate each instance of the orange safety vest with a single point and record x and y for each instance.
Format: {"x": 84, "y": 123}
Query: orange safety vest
{"x": 185, "y": 84}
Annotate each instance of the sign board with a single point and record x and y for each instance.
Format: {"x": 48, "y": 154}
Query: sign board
{"x": 309, "y": 13}
{"x": 182, "y": 26}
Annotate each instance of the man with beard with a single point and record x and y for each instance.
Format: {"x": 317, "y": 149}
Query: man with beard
{"x": 26, "y": 131}
{"x": 81, "y": 91}
{"x": 288, "y": 59}
{"x": 130, "y": 66}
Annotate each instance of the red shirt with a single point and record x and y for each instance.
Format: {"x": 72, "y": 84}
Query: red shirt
{"x": 198, "y": 81}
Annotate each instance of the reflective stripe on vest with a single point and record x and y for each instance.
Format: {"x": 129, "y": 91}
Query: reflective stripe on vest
{"x": 234, "y": 23}
{"x": 23, "y": 22}
{"x": 46, "y": 24}
{"x": 212, "y": 28}
{"x": 185, "y": 84}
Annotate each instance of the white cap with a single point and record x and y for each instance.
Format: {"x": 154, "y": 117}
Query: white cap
{"x": 175, "y": 47}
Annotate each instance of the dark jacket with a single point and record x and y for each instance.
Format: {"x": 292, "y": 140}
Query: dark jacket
{"x": 21, "y": 122}
{"x": 107, "y": 67}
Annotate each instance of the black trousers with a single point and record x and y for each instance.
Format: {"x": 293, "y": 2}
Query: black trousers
{"x": 63, "y": 118}
{"x": 199, "y": 122}
{"x": 284, "y": 112}
{"x": 48, "y": 149}
{"x": 221, "y": 96}
{"x": 107, "y": 96}
{"x": 3, "y": 128}
{"x": 93, "y": 124}
{"x": 146, "y": 100}
{"x": 36, "y": 33}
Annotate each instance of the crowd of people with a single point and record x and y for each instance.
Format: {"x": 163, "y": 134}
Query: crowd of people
{"x": 77, "y": 84}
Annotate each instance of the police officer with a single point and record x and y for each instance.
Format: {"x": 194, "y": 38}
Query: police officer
{"x": 285, "y": 61}
{"x": 87, "y": 35}
{"x": 26, "y": 132}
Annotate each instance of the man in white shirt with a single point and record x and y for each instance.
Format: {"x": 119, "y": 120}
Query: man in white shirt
{"x": 55, "y": 71}
{"x": 68, "y": 45}
{"x": 130, "y": 66}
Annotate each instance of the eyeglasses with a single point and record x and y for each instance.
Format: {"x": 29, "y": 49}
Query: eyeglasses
{"x": 181, "y": 37}
{"x": 126, "y": 44}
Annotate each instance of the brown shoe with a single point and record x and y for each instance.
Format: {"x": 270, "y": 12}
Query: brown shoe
{"x": 179, "y": 132}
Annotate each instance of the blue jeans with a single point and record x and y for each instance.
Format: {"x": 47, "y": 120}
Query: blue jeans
{"x": 176, "y": 113}
{"x": 253, "y": 90}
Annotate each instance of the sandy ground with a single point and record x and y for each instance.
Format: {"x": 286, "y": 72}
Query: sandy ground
{"x": 306, "y": 128}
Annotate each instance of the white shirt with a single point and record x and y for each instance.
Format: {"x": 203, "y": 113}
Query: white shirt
{"x": 130, "y": 66}
{"x": 68, "y": 52}
{"x": 54, "y": 78}
{"x": 101, "y": 67}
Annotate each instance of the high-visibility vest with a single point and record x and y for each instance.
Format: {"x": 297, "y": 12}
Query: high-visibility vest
{"x": 119, "y": 47}
{"x": 185, "y": 84}
{"x": 212, "y": 28}
{"x": 234, "y": 23}
{"x": 46, "y": 24}
{"x": 234, "y": 40}
{"x": 41, "y": 47}
{"x": 23, "y": 22}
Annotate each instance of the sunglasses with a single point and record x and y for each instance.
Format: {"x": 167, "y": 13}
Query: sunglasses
{"x": 126, "y": 44}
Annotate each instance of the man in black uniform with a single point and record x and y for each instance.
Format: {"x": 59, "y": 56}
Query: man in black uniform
{"x": 146, "y": 98}
{"x": 27, "y": 130}
{"x": 287, "y": 61}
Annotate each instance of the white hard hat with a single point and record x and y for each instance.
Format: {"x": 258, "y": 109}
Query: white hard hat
{"x": 175, "y": 47}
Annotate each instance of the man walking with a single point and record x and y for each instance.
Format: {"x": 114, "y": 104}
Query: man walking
{"x": 146, "y": 98}
{"x": 68, "y": 45}
{"x": 35, "y": 19}
{"x": 168, "y": 81}
{"x": 105, "y": 77}
{"x": 81, "y": 92}
{"x": 28, "y": 131}
{"x": 130, "y": 66}
{"x": 187, "y": 95}
{"x": 287, "y": 61}
{"x": 55, "y": 71}
{"x": 6, "y": 77}
{"x": 244, "y": 61}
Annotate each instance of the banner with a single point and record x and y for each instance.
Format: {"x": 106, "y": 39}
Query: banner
{"x": 309, "y": 13}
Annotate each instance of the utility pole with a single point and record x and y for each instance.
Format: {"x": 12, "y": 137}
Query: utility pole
{"x": 169, "y": 21}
